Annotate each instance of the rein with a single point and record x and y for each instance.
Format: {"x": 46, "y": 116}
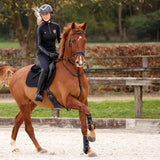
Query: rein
{"x": 75, "y": 75}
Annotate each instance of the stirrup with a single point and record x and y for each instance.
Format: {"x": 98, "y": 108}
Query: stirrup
{"x": 38, "y": 97}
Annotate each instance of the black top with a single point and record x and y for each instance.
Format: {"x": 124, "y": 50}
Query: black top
{"x": 46, "y": 35}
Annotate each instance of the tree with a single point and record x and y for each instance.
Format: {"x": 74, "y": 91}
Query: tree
{"x": 104, "y": 17}
{"x": 138, "y": 6}
{"x": 144, "y": 27}
{"x": 11, "y": 13}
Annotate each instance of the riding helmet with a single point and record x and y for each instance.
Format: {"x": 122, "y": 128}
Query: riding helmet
{"x": 45, "y": 8}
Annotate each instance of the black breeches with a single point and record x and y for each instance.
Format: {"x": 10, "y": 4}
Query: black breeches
{"x": 44, "y": 62}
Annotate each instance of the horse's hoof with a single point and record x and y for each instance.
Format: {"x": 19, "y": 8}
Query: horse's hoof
{"x": 15, "y": 150}
{"x": 91, "y": 153}
{"x": 13, "y": 145}
{"x": 91, "y": 139}
{"x": 92, "y": 135}
{"x": 43, "y": 151}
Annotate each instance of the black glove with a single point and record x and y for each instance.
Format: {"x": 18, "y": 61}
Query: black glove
{"x": 51, "y": 55}
{"x": 54, "y": 55}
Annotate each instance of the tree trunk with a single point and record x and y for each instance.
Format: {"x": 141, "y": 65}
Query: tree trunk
{"x": 120, "y": 21}
{"x": 26, "y": 39}
{"x": 28, "y": 53}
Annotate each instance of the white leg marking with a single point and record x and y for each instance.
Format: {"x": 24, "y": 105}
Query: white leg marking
{"x": 13, "y": 142}
{"x": 13, "y": 145}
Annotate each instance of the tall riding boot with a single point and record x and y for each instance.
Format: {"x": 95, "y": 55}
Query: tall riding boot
{"x": 41, "y": 85}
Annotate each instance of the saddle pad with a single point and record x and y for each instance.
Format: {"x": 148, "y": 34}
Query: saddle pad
{"x": 33, "y": 76}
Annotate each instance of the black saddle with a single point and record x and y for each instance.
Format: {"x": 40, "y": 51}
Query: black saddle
{"x": 34, "y": 73}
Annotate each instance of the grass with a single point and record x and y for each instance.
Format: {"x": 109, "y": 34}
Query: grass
{"x": 105, "y": 109}
{"x": 11, "y": 44}
{"x": 4, "y": 44}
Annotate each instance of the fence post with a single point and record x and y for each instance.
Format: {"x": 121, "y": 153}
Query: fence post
{"x": 145, "y": 73}
{"x": 138, "y": 101}
{"x": 55, "y": 113}
{"x": 90, "y": 65}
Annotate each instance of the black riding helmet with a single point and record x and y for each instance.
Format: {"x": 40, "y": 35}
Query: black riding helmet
{"x": 45, "y": 8}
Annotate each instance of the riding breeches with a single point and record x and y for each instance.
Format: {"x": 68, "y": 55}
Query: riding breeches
{"x": 44, "y": 61}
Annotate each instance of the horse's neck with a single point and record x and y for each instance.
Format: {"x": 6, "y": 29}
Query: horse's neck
{"x": 67, "y": 52}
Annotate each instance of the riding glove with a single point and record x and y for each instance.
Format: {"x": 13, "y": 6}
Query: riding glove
{"x": 54, "y": 55}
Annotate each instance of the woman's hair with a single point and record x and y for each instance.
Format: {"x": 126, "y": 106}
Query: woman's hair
{"x": 38, "y": 16}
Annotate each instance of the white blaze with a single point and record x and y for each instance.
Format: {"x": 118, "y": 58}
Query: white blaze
{"x": 80, "y": 37}
{"x": 80, "y": 57}
{"x": 80, "y": 62}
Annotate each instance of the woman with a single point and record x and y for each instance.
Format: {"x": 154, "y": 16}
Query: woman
{"x": 46, "y": 35}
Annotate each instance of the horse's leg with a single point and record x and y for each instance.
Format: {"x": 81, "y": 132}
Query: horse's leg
{"x": 73, "y": 103}
{"x": 18, "y": 121}
{"x": 17, "y": 124}
{"x": 26, "y": 110}
{"x": 91, "y": 127}
{"x": 86, "y": 147}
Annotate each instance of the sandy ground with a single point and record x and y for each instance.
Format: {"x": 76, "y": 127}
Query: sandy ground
{"x": 67, "y": 144}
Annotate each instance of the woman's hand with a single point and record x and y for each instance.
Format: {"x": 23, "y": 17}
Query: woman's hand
{"x": 54, "y": 55}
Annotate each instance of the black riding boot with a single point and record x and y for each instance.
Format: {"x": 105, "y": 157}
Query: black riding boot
{"x": 41, "y": 85}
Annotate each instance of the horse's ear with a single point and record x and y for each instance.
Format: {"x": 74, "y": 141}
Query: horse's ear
{"x": 84, "y": 26}
{"x": 73, "y": 25}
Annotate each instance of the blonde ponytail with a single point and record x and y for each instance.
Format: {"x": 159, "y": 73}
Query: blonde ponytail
{"x": 38, "y": 16}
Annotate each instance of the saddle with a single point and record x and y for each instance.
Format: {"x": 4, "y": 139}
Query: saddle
{"x": 33, "y": 77}
{"x": 34, "y": 73}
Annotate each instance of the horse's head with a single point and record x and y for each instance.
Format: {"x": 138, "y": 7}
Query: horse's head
{"x": 75, "y": 43}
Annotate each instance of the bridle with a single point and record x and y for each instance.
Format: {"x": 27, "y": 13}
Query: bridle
{"x": 73, "y": 55}
{"x": 70, "y": 45}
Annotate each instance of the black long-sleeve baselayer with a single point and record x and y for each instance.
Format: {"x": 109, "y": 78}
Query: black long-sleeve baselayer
{"x": 46, "y": 35}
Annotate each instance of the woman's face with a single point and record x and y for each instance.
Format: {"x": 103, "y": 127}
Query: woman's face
{"x": 46, "y": 16}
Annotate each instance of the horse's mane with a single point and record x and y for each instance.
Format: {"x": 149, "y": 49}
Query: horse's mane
{"x": 64, "y": 36}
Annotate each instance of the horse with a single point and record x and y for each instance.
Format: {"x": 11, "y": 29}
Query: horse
{"x": 70, "y": 87}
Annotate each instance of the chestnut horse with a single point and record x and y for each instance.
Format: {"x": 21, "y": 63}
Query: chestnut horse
{"x": 70, "y": 87}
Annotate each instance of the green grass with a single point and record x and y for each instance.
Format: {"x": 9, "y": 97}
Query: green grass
{"x": 105, "y": 109}
{"x": 11, "y": 44}
{"x": 4, "y": 44}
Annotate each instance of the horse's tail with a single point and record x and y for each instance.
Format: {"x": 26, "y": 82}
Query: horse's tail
{"x": 6, "y": 73}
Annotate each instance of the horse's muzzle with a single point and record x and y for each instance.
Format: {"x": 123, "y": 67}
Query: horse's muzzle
{"x": 80, "y": 61}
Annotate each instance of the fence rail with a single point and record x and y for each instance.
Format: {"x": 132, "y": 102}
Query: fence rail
{"x": 88, "y": 58}
{"x": 134, "y": 69}
{"x": 123, "y": 57}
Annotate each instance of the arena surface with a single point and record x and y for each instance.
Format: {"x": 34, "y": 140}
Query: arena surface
{"x": 66, "y": 143}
